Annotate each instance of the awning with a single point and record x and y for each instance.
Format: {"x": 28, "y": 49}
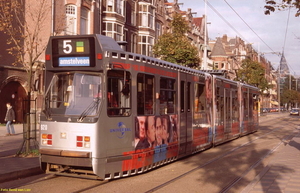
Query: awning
{"x": 274, "y": 103}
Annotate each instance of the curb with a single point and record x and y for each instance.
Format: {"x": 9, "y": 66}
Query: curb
{"x": 20, "y": 174}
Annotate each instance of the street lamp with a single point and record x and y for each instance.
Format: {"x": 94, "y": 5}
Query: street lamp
{"x": 205, "y": 37}
{"x": 278, "y": 91}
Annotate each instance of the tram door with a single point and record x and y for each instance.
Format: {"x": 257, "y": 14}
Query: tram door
{"x": 227, "y": 112}
{"x": 185, "y": 89}
{"x": 245, "y": 111}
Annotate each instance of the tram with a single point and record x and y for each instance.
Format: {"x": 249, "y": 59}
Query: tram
{"x": 109, "y": 113}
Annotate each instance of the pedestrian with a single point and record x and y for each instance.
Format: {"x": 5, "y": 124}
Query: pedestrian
{"x": 10, "y": 118}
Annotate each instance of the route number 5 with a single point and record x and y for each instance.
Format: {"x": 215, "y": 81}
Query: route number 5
{"x": 67, "y": 47}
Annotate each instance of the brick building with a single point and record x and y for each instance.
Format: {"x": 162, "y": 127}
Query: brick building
{"x": 136, "y": 24}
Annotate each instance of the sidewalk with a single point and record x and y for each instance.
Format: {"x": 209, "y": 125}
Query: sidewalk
{"x": 282, "y": 174}
{"x": 12, "y": 167}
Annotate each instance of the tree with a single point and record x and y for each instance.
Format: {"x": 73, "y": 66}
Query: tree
{"x": 175, "y": 47}
{"x": 289, "y": 97}
{"x": 24, "y": 24}
{"x": 252, "y": 73}
{"x": 271, "y": 6}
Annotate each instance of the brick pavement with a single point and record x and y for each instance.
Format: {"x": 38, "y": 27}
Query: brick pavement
{"x": 282, "y": 174}
{"x": 12, "y": 167}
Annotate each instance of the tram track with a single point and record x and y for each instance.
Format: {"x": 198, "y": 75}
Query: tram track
{"x": 264, "y": 134}
{"x": 52, "y": 178}
{"x": 216, "y": 159}
{"x": 239, "y": 160}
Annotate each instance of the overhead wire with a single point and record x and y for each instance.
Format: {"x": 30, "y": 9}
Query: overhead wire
{"x": 257, "y": 34}
{"x": 228, "y": 23}
{"x": 248, "y": 25}
{"x": 286, "y": 29}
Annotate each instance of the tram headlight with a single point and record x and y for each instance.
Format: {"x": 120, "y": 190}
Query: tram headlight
{"x": 63, "y": 135}
{"x": 87, "y": 144}
{"x": 44, "y": 142}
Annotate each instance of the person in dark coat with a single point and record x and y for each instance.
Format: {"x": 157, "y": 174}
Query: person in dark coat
{"x": 10, "y": 118}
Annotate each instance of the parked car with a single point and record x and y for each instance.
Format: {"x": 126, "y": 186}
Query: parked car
{"x": 294, "y": 112}
{"x": 273, "y": 109}
{"x": 264, "y": 110}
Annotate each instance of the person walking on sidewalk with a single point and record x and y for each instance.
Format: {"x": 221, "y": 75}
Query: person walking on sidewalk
{"x": 10, "y": 118}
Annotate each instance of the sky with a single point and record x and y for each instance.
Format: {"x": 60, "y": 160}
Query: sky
{"x": 278, "y": 32}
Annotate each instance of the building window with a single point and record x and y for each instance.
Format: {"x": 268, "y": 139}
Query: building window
{"x": 119, "y": 33}
{"x": 223, "y": 66}
{"x": 133, "y": 15}
{"x": 110, "y": 4}
{"x": 216, "y": 65}
{"x": 84, "y": 21}
{"x": 109, "y": 30}
{"x": 119, "y": 7}
{"x": 158, "y": 30}
{"x": 114, "y": 31}
{"x": 115, "y": 6}
{"x": 146, "y": 44}
{"x": 71, "y": 20}
{"x": 133, "y": 43}
{"x": 146, "y": 14}
{"x": 151, "y": 17}
{"x": 150, "y": 46}
{"x": 143, "y": 15}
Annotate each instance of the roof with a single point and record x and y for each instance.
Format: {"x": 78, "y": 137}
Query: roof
{"x": 218, "y": 49}
{"x": 197, "y": 21}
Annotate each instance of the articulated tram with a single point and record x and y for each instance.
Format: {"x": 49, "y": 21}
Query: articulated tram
{"x": 109, "y": 113}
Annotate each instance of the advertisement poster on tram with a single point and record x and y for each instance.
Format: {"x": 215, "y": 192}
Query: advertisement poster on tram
{"x": 153, "y": 131}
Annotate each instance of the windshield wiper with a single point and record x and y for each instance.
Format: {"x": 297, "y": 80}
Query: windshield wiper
{"x": 47, "y": 111}
{"x": 92, "y": 107}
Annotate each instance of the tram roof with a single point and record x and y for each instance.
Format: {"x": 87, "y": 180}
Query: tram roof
{"x": 107, "y": 43}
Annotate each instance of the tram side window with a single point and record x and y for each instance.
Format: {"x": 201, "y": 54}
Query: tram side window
{"x": 255, "y": 103}
{"x": 199, "y": 98}
{"x": 251, "y": 106}
{"x": 235, "y": 110}
{"x": 145, "y": 94}
{"x": 201, "y": 115}
{"x": 182, "y": 95}
{"x": 227, "y": 106}
{"x": 118, "y": 93}
{"x": 167, "y": 96}
{"x": 246, "y": 106}
{"x": 219, "y": 106}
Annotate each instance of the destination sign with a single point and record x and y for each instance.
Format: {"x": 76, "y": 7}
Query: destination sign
{"x": 73, "y": 52}
{"x": 74, "y": 61}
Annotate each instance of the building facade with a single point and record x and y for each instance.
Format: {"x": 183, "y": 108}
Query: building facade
{"x": 135, "y": 24}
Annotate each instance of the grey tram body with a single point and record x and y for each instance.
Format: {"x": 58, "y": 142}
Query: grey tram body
{"x": 97, "y": 136}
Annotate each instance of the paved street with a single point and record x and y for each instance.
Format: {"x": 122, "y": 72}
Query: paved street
{"x": 281, "y": 174}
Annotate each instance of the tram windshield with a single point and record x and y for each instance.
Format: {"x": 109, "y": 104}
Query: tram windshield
{"x": 74, "y": 94}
